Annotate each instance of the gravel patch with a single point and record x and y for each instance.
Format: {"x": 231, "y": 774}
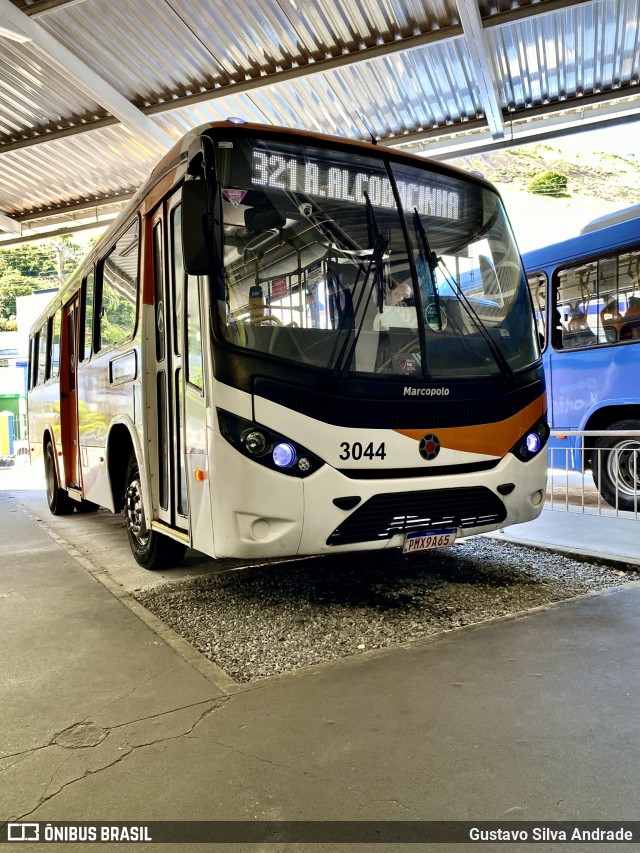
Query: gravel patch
{"x": 280, "y": 617}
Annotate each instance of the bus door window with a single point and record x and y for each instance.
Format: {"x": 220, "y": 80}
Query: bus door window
{"x": 177, "y": 286}
{"x": 162, "y": 413}
{"x": 86, "y": 335}
{"x": 194, "y": 334}
{"x": 68, "y": 393}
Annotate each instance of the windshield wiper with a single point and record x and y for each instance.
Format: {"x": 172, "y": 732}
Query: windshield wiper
{"x": 431, "y": 261}
{"x": 377, "y": 246}
{"x": 498, "y": 356}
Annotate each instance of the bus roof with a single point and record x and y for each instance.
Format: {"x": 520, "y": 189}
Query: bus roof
{"x": 615, "y": 236}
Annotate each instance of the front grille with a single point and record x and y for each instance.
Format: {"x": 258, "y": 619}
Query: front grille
{"x": 422, "y": 471}
{"x": 383, "y": 516}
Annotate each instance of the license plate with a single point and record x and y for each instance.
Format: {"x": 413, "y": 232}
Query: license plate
{"x": 427, "y": 540}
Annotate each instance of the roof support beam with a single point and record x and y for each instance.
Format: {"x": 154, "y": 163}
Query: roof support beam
{"x": 12, "y": 20}
{"x": 46, "y": 7}
{"x": 58, "y": 232}
{"x": 9, "y": 224}
{"x": 479, "y": 56}
{"x": 536, "y": 124}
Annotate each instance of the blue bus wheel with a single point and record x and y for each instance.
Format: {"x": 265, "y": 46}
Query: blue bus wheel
{"x": 616, "y": 467}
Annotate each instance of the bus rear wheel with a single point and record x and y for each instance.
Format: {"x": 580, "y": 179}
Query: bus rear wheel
{"x": 59, "y": 501}
{"x": 152, "y": 550}
{"x": 616, "y": 467}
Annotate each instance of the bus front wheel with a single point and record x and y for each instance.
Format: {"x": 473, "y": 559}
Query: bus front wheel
{"x": 616, "y": 467}
{"x": 151, "y": 549}
{"x": 59, "y": 501}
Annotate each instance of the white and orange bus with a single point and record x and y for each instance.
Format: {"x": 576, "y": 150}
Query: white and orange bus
{"x": 292, "y": 344}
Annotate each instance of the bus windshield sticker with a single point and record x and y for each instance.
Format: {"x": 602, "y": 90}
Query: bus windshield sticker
{"x": 407, "y": 364}
{"x": 431, "y": 318}
{"x": 234, "y": 196}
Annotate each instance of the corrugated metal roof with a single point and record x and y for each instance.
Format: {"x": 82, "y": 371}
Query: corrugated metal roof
{"x": 401, "y": 70}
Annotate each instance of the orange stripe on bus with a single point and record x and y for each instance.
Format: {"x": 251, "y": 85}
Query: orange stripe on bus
{"x": 492, "y": 439}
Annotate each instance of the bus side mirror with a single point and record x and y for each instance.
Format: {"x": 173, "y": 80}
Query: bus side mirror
{"x": 196, "y": 229}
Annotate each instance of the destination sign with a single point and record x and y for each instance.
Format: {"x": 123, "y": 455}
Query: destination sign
{"x": 277, "y": 172}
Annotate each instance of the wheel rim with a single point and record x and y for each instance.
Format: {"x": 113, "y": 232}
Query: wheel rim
{"x": 134, "y": 513}
{"x": 623, "y": 467}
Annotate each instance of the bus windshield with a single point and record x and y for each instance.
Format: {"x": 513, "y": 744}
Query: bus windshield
{"x": 363, "y": 265}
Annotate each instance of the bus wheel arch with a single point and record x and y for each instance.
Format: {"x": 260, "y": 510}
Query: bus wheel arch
{"x": 58, "y": 499}
{"x": 152, "y": 550}
{"x": 119, "y": 449}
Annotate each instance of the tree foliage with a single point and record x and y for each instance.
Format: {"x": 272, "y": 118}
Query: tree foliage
{"x": 30, "y": 267}
{"x": 12, "y": 285}
{"x": 551, "y": 183}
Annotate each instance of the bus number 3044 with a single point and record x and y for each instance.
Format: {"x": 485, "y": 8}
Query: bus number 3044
{"x": 357, "y": 451}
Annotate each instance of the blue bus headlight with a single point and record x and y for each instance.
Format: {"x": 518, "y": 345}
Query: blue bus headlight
{"x": 267, "y": 447}
{"x": 284, "y": 454}
{"x": 532, "y": 441}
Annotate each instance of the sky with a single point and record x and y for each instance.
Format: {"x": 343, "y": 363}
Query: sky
{"x": 620, "y": 139}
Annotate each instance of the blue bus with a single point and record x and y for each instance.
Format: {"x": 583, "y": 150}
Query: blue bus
{"x": 586, "y": 293}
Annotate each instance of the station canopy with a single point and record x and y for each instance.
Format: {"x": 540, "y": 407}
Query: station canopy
{"x": 92, "y": 92}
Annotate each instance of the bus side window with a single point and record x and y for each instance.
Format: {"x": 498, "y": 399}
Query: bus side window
{"x": 54, "y": 369}
{"x": 33, "y": 361}
{"x": 86, "y": 339}
{"x": 42, "y": 354}
{"x": 194, "y": 334}
{"x": 117, "y": 291}
{"x": 576, "y": 308}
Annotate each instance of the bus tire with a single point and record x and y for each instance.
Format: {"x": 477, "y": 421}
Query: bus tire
{"x": 152, "y": 550}
{"x": 616, "y": 467}
{"x": 58, "y": 499}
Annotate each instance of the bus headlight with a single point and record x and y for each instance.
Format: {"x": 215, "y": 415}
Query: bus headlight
{"x": 284, "y": 454}
{"x": 266, "y": 447}
{"x": 255, "y": 442}
{"x": 532, "y": 441}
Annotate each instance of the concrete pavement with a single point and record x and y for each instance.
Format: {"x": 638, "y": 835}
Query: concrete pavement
{"x": 606, "y": 538}
{"x": 535, "y": 718}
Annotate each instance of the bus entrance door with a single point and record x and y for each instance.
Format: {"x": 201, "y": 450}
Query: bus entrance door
{"x": 167, "y": 398}
{"x": 68, "y": 394}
